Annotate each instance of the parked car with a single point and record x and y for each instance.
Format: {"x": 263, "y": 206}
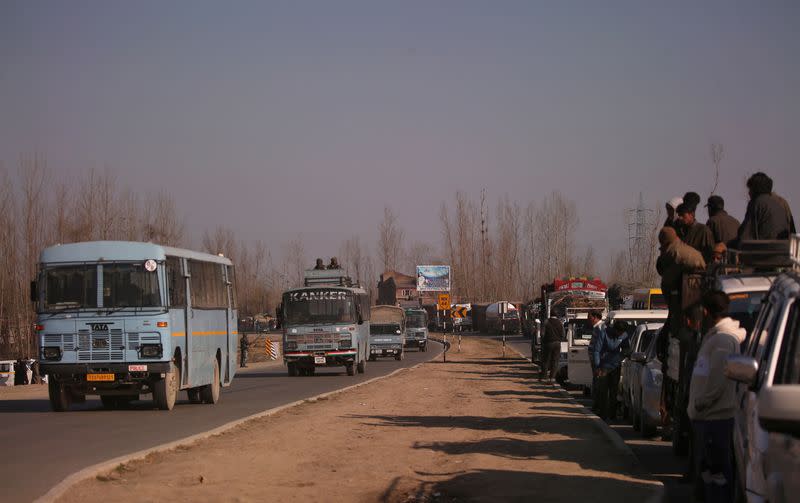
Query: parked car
{"x": 631, "y": 369}
{"x": 646, "y": 393}
{"x": 766, "y": 376}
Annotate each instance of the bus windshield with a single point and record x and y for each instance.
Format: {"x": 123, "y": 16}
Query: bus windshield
{"x": 744, "y": 308}
{"x": 384, "y": 329}
{"x": 70, "y": 287}
{"x": 319, "y": 306}
{"x": 129, "y": 285}
{"x": 415, "y": 320}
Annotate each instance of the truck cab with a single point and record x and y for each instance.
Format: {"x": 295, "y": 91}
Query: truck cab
{"x": 387, "y": 332}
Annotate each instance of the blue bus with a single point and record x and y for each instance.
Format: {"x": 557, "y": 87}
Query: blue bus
{"x": 121, "y": 319}
{"x": 325, "y": 324}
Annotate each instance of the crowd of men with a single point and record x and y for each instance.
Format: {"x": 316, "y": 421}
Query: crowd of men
{"x": 704, "y": 398}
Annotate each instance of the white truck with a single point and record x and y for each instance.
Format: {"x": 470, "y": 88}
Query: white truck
{"x": 387, "y": 332}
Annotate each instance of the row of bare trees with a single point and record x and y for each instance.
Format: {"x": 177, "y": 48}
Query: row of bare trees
{"x": 38, "y": 209}
{"x": 504, "y": 251}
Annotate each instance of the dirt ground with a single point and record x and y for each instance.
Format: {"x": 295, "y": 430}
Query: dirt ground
{"x": 477, "y": 428}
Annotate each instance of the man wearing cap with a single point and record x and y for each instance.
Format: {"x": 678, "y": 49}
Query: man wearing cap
{"x": 693, "y": 233}
{"x": 723, "y": 227}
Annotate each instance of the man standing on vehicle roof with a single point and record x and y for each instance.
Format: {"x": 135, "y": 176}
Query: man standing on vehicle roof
{"x": 551, "y": 348}
{"x": 693, "y": 233}
{"x": 672, "y": 206}
{"x": 768, "y": 215}
{"x": 723, "y": 227}
{"x": 320, "y": 266}
{"x": 712, "y": 399}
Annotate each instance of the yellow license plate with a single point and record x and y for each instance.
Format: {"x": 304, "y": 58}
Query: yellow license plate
{"x": 100, "y": 377}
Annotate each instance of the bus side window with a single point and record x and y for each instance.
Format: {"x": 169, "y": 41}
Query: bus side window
{"x": 176, "y": 284}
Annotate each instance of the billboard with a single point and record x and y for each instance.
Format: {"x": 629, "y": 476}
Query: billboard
{"x": 433, "y": 278}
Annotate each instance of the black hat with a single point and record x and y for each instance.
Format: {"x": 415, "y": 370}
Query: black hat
{"x": 715, "y": 203}
{"x": 685, "y": 208}
{"x": 691, "y": 198}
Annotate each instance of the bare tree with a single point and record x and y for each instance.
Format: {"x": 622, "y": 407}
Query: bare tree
{"x": 390, "y": 241}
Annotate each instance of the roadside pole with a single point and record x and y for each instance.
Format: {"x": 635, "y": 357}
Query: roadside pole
{"x": 502, "y": 310}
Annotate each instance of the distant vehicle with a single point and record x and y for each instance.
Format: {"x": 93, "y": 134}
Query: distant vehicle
{"x": 7, "y": 372}
{"x": 325, "y": 324}
{"x": 120, "y": 319}
{"x": 640, "y": 380}
{"x": 767, "y": 421}
{"x": 648, "y": 298}
{"x": 417, "y": 329}
{"x": 503, "y": 317}
{"x": 387, "y": 329}
{"x": 463, "y": 324}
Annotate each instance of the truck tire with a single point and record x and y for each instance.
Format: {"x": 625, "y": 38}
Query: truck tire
{"x": 291, "y": 369}
{"x": 399, "y": 356}
{"x": 423, "y": 347}
{"x": 165, "y": 391}
{"x": 350, "y": 368}
{"x": 362, "y": 366}
{"x": 60, "y": 396}
{"x": 210, "y": 392}
{"x": 194, "y": 395}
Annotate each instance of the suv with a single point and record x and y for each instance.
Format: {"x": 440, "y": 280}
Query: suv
{"x": 767, "y": 373}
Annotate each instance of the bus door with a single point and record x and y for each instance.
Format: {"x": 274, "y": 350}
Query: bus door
{"x": 188, "y": 316}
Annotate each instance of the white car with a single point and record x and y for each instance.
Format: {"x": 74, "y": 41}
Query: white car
{"x": 763, "y": 381}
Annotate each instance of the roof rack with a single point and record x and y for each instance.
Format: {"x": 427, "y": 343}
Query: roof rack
{"x": 763, "y": 255}
{"x": 328, "y": 277}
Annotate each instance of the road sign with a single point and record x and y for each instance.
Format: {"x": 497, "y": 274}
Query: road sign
{"x": 459, "y": 311}
{"x": 444, "y": 301}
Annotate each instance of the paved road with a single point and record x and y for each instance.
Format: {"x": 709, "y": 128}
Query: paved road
{"x": 42, "y": 447}
{"x": 656, "y": 456}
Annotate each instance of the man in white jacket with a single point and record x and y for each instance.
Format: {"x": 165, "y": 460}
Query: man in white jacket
{"x": 712, "y": 399}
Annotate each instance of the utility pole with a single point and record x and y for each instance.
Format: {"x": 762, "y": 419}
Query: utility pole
{"x": 640, "y": 220}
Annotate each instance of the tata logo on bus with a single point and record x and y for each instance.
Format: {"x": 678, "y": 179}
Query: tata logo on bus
{"x": 307, "y": 296}
{"x": 98, "y": 327}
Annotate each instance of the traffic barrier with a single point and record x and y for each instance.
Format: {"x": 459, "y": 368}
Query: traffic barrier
{"x": 271, "y": 349}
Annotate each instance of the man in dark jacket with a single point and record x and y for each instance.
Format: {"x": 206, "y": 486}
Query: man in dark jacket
{"x": 768, "y": 216}
{"x": 723, "y": 227}
{"x": 551, "y": 348}
{"x": 693, "y": 233}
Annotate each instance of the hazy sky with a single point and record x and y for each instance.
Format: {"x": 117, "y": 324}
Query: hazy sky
{"x": 281, "y": 119}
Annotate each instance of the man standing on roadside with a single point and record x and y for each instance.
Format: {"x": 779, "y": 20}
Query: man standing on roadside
{"x": 244, "y": 345}
{"x": 607, "y": 357}
{"x": 723, "y": 227}
{"x": 712, "y": 399}
{"x": 595, "y": 319}
{"x": 551, "y": 348}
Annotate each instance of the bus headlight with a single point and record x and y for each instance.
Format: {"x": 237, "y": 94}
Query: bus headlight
{"x": 51, "y": 353}
{"x": 150, "y": 351}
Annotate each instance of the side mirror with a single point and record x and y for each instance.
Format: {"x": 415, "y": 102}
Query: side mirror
{"x": 34, "y": 291}
{"x": 741, "y": 368}
{"x": 779, "y": 409}
{"x": 639, "y": 357}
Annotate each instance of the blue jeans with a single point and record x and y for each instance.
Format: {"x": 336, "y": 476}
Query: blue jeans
{"x": 713, "y": 455}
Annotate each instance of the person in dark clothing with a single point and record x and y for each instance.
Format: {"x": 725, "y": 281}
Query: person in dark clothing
{"x": 334, "y": 264}
{"x": 723, "y": 227}
{"x": 768, "y": 215}
{"x": 551, "y": 348}
{"x": 692, "y": 199}
{"x": 244, "y": 345}
{"x": 595, "y": 320}
{"x": 20, "y": 372}
{"x": 36, "y": 378}
{"x": 607, "y": 356}
{"x": 320, "y": 265}
{"x": 693, "y": 233}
